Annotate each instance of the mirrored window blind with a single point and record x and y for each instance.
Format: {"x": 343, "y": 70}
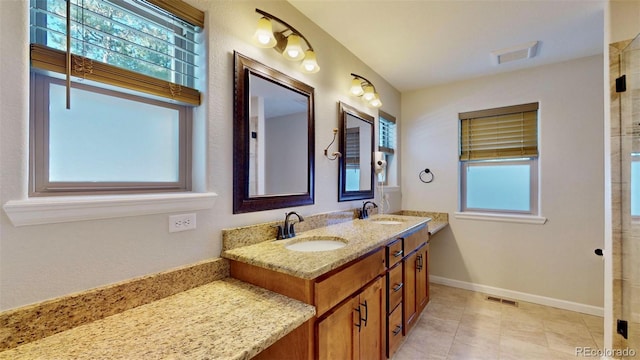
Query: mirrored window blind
{"x": 386, "y": 133}
{"x": 352, "y": 158}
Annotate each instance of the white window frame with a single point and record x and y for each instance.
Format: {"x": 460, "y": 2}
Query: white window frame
{"x": 39, "y": 183}
{"x": 533, "y": 215}
{"x": 533, "y": 185}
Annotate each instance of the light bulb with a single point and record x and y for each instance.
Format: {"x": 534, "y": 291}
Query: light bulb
{"x": 375, "y": 102}
{"x": 310, "y": 64}
{"x": 369, "y": 94}
{"x": 263, "y": 36}
{"x": 356, "y": 87}
{"x": 293, "y": 51}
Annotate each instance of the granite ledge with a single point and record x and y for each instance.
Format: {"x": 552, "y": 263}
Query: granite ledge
{"x": 33, "y": 322}
{"x": 225, "y": 319}
{"x": 438, "y": 220}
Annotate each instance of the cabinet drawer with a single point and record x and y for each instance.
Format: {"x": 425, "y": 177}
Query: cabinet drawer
{"x": 394, "y": 253}
{"x": 394, "y": 331}
{"x": 413, "y": 241}
{"x": 394, "y": 287}
{"x": 331, "y": 290}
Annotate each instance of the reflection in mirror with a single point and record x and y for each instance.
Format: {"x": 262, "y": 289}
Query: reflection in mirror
{"x": 273, "y": 139}
{"x": 277, "y": 139}
{"x": 356, "y": 177}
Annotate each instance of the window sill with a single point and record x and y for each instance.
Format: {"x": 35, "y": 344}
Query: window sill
{"x": 50, "y": 210}
{"x": 522, "y": 219}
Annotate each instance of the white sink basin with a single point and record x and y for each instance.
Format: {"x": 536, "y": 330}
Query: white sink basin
{"x": 317, "y": 244}
{"x": 387, "y": 222}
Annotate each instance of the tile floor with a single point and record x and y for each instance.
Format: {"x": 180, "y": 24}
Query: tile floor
{"x": 462, "y": 324}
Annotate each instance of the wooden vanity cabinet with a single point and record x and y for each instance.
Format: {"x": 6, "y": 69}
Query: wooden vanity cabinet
{"x": 416, "y": 277}
{"x": 394, "y": 309}
{"x": 407, "y": 285}
{"x": 354, "y": 329}
{"x": 337, "y": 295}
{"x": 392, "y": 281}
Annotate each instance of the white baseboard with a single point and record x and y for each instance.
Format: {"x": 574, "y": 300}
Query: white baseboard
{"x": 517, "y": 295}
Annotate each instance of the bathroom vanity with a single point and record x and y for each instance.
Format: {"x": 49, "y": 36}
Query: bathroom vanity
{"x": 368, "y": 293}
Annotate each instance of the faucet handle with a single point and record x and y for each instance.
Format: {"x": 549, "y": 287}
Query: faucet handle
{"x": 280, "y": 234}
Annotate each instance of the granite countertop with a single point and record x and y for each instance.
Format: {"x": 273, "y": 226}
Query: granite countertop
{"x": 224, "y": 319}
{"x": 437, "y": 225}
{"x": 362, "y": 236}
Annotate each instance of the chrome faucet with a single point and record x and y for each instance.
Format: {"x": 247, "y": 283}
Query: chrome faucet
{"x": 287, "y": 230}
{"x": 364, "y": 213}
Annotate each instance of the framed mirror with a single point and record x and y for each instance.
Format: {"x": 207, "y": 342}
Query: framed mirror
{"x": 273, "y": 139}
{"x": 356, "y": 177}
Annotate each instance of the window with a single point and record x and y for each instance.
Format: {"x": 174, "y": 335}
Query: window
{"x": 386, "y": 143}
{"x": 498, "y": 160}
{"x": 121, "y": 122}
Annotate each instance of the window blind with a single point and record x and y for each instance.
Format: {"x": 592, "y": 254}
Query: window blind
{"x": 501, "y": 133}
{"x": 136, "y": 45}
{"x": 352, "y": 158}
{"x": 386, "y": 133}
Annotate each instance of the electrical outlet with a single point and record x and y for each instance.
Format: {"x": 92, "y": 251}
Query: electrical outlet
{"x": 182, "y": 222}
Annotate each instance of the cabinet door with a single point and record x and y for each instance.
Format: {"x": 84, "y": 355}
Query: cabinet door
{"x": 409, "y": 299}
{"x": 422, "y": 278}
{"x": 373, "y": 315}
{"x": 338, "y": 336}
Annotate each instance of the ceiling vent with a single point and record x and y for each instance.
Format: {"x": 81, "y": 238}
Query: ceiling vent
{"x": 518, "y": 52}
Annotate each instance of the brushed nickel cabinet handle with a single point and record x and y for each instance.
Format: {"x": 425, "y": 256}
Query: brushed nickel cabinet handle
{"x": 397, "y": 330}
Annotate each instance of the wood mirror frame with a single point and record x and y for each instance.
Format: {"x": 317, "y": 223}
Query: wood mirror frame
{"x": 346, "y": 112}
{"x": 244, "y": 68}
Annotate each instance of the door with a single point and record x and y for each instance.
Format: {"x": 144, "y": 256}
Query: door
{"x": 422, "y": 278}
{"x": 628, "y": 294}
{"x": 338, "y": 337}
{"x": 371, "y": 334}
{"x": 410, "y": 306}
{"x": 354, "y": 330}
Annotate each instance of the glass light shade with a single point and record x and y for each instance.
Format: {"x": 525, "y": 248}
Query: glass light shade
{"x": 369, "y": 94}
{"x": 293, "y": 51}
{"x": 310, "y": 64}
{"x": 356, "y": 87}
{"x": 264, "y": 34}
{"x": 376, "y": 101}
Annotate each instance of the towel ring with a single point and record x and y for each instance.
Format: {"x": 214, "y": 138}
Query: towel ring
{"x": 426, "y": 172}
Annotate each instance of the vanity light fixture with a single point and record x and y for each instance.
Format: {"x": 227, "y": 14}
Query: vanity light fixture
{"x": 363, "y": 87}
{"x": 288, "y": 42}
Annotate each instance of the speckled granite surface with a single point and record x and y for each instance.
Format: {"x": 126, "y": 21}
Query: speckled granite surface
{"x": 438, "y": 220}
{"x": 250, "y": 235}
{"x": 361, "y": 237}
{"x": 225, "y": 319}
{"x": 37, "y": 321}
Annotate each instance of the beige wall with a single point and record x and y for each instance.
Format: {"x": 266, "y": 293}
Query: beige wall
{"x": 44, "y": 261}
{"x": 554, "y": 262}
{"x": 624, "y": 19}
